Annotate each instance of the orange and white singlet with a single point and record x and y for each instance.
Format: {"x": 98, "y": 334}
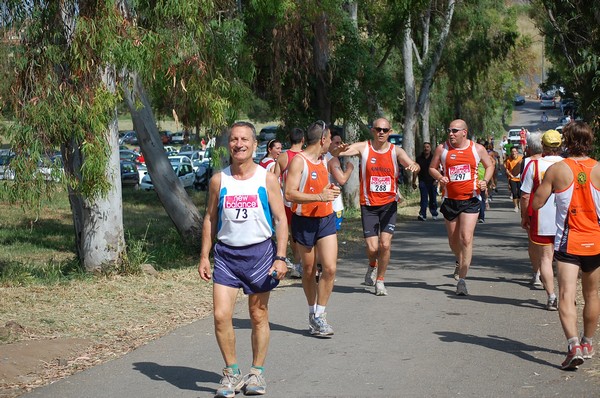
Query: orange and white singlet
{"x": 378, "y": 173}
{"x": 283, "y": 176}
{"x": 460, "y": 166}
{"x": 577, "y": 211}
{"x": 314, "y": 179}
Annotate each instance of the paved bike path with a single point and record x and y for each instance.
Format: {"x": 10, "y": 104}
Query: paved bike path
{"x": 421, "y": 340}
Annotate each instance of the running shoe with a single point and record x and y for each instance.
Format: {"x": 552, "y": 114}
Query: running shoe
{"x": 552, "y": 304}
{"x": 319, "y": 272}
{"x": 255, "y": 383}
{"x": 294, "y": 270}
{"x": 574, "y": 358}
{"x": 380, "y": 289}
{"x": 587, "y": 350}
{"x": 421, "y": 218}
{"x": 370, "y": 276}
{"x": 456, "y": 277}
{"x": 318, "y": 326}
{"x": 535, "y": 280}
{"x": 481, "y": 221}
{"x": 231, "y": 383}
{"x": 461, "y": 288}
{"x": 435, "y": 218}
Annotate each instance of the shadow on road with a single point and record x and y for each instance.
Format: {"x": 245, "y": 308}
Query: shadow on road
{"x": 498, "y": 343}
{"x": 182, "y": 377}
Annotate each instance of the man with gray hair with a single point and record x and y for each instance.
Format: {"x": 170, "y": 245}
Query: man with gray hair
{"x": 540, "y": 224}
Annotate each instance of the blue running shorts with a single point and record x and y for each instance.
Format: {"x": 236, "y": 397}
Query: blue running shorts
{"x": 308, "y": 230}
{"x": 245, "y": 266}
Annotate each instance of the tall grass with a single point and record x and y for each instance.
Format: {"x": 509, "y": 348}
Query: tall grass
{"x": 41, "y": 248}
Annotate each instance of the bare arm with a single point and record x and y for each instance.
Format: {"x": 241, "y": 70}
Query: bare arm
{"x": 406, "y": 161}
{"x": 335, "y": 169}
{"x": 434, "y": 167}
{"x": 209, "y": 227}
{"x": 488, "y": 163}
{"x": 280, "y": 223}
{"x": 349, "y": 150}
{"x": 292, "y": 186}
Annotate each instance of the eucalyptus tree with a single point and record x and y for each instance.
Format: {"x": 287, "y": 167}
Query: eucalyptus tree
{"x": 73, "y": 60}
{"x": 485, "y": 61}
{"x": 572, "y": 44}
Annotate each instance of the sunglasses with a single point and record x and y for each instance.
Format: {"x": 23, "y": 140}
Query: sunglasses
{"x": 454, "y": 131}
{"x": 380, "y": 129}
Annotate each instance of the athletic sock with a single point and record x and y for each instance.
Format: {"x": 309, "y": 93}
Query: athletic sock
{"x": 319, "y": 310}
{"x": 311, "y": 309}
{"x": 261, "y": 368}
{"x": 380, "y": 278}
{"x": 573, "y": 341}
{"x": 586, "y": 340}
{"x": 373, "y": 264}
{"x": 234, "y": 367}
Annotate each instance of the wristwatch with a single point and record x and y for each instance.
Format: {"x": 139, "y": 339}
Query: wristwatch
{"x": 284, "y": 259}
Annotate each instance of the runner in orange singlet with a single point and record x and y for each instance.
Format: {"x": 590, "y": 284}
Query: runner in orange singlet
{"x": 379, "y": 161}
{"x": 459, "y": 157}
{"x": 313, "y": 223}
{"x": 296, "y": 137}
{"x": 575, "y": 183}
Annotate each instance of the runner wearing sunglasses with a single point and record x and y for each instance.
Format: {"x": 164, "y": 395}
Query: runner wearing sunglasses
{"x": 379, "y": 169}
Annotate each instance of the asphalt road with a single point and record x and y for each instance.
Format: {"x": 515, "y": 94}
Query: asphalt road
{"x": 421, "y": 340}
{"x": 529, "y": 116}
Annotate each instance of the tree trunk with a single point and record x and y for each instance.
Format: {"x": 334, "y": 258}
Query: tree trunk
{"x": 425, "y": 127}
{"x": 410, "y": 104}
{"x": 176, "y": 202}
{"x": 350, "y": 190}
{"x": 321, "y": 65}
{"x": 98, "y": 222}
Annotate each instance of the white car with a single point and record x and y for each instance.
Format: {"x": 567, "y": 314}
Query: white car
{"x": 514, "y": 137}
{"x": 182, "y": 166}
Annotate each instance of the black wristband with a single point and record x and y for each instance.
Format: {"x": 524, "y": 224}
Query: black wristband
{"x": 284, "y": 259}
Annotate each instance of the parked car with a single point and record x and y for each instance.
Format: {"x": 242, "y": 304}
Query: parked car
{"x": 128, "y": 154}
{"x": 395, "y": 139}
{"x": 142, "y": 171}
{"x": 129, "y": 137}
{"x": 182, "y": 166}
{"x": 547, "y": 101}
{"x": 129, "y": 174}
{"x": 51, "y": 168}
{"x": 177, "y": 138}
{"x": 6, "y": 156}
{"x": 514, "y": 137}
{"x": 202, "y": 176}
{"x": 268, "y": 133}
{"x": 166, "y": 136}
{"x": 193, "y": 155}
{"x": 519, "y": 99}
{"x": 260, "y": 153}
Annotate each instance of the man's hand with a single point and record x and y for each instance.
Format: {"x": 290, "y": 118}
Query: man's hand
{"x": 414, "y": 167}
{"x": 204, "y": 269}
{"x": 280, "y": 269}
{"x": 330, "y": 193}
{"x": 341, "y": 148}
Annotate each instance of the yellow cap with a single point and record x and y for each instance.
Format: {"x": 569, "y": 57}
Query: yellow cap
{"x": 552, "y": 139}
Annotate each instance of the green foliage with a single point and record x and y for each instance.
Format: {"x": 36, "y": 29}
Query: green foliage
{"x": 482, "y": 67}
{"x": 13, "y": 273}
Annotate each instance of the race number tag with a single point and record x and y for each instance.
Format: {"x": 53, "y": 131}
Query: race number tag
{"x": 381, "y": 184}
{"x": 240, "y": 207}
{"x": 461, "y": 172}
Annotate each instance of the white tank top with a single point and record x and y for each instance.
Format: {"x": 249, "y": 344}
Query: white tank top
{"x": 338, "y": 203}
{"x": 244, "y": 216}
